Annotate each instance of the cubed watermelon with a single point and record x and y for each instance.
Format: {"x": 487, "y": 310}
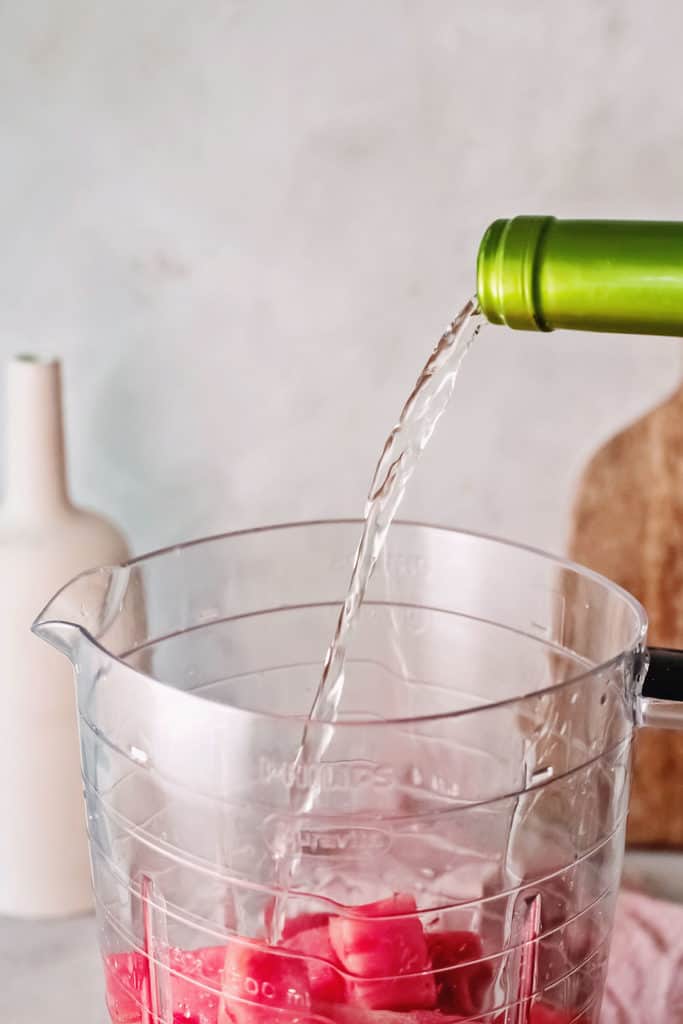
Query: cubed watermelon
{"x": 461, "y": 984}
{"x": 434, "y": 1017}
{"x": 195, "y": 983}
{"x": 326, "y": 984}
{"x": 294, "y": 925}
{"x": 263, "y": 985}
{"x": 126, "y": 978}
{"x": 196, "y": 977}
{"x": 542, "y": 1013}
{"x": 383, "y": 945}
{"x": 304, "y": 923}
{"x": 361, "y": 1015}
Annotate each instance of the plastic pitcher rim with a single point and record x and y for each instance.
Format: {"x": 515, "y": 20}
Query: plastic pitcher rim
{"x": 635, "y": 645}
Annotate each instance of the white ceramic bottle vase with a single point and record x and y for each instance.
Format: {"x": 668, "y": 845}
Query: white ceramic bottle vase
{"x": 44, "y": 541}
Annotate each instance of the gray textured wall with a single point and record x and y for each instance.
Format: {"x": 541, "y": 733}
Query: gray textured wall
{"x": 242, "y": 225}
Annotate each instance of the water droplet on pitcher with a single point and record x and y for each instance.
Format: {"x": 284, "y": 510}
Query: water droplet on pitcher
{"x": 137, "y": 755}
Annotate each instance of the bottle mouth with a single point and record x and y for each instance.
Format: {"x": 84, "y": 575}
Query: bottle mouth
{"x": 507, "y": 278}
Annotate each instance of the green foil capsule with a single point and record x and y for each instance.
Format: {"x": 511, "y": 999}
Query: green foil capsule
{"x": 539, "y": 273}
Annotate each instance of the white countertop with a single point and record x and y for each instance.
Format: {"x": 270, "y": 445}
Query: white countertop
{"x": 50, "y": 971}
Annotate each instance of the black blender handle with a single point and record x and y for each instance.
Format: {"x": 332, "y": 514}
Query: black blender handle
{"x": 664, "y": 679}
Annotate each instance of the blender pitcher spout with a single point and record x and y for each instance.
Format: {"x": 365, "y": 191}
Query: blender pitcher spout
{"x": 87, "y": 609}
{"x": 64, "y": 636}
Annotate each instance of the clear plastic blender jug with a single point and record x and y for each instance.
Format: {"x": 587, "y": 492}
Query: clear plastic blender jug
{"x": 462, "y": 854}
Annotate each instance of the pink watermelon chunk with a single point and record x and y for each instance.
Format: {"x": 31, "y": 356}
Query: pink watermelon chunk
{"x": 304, "y": 923}
{"x": 196, "y": 977}
{"x": 326, "y": 984}
{"x": 262, "y": 985}
{"x": 358, "y": 1015}
{"x": 542, "y": 1013}
{"x": 294, "y": 925}
{"x": 379, "y": 952}
{"x": 434, "y": 1017}
{"x": 126, "y": 977}
{"x": 195, "y": 981}
{"x": 461, "y": 989}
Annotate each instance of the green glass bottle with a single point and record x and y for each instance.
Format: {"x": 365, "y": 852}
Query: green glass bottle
{"x": 539, "y": 273}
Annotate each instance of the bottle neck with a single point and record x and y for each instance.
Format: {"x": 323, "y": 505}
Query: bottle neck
{"x": 539, "y": 273}
{"x": 36, "y": 465}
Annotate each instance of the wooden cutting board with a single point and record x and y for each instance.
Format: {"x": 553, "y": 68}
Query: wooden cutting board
{"x": 628, "y": 524}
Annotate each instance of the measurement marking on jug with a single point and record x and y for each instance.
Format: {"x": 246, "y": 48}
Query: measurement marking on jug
{"x": 241, "y": 985}
{"x": 433, "y": 783}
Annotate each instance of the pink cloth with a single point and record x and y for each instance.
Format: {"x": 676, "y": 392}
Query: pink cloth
{"x": 645, "y": 976}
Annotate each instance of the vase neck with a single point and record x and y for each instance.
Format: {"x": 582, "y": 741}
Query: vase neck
{"x": 36, "y": 466}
